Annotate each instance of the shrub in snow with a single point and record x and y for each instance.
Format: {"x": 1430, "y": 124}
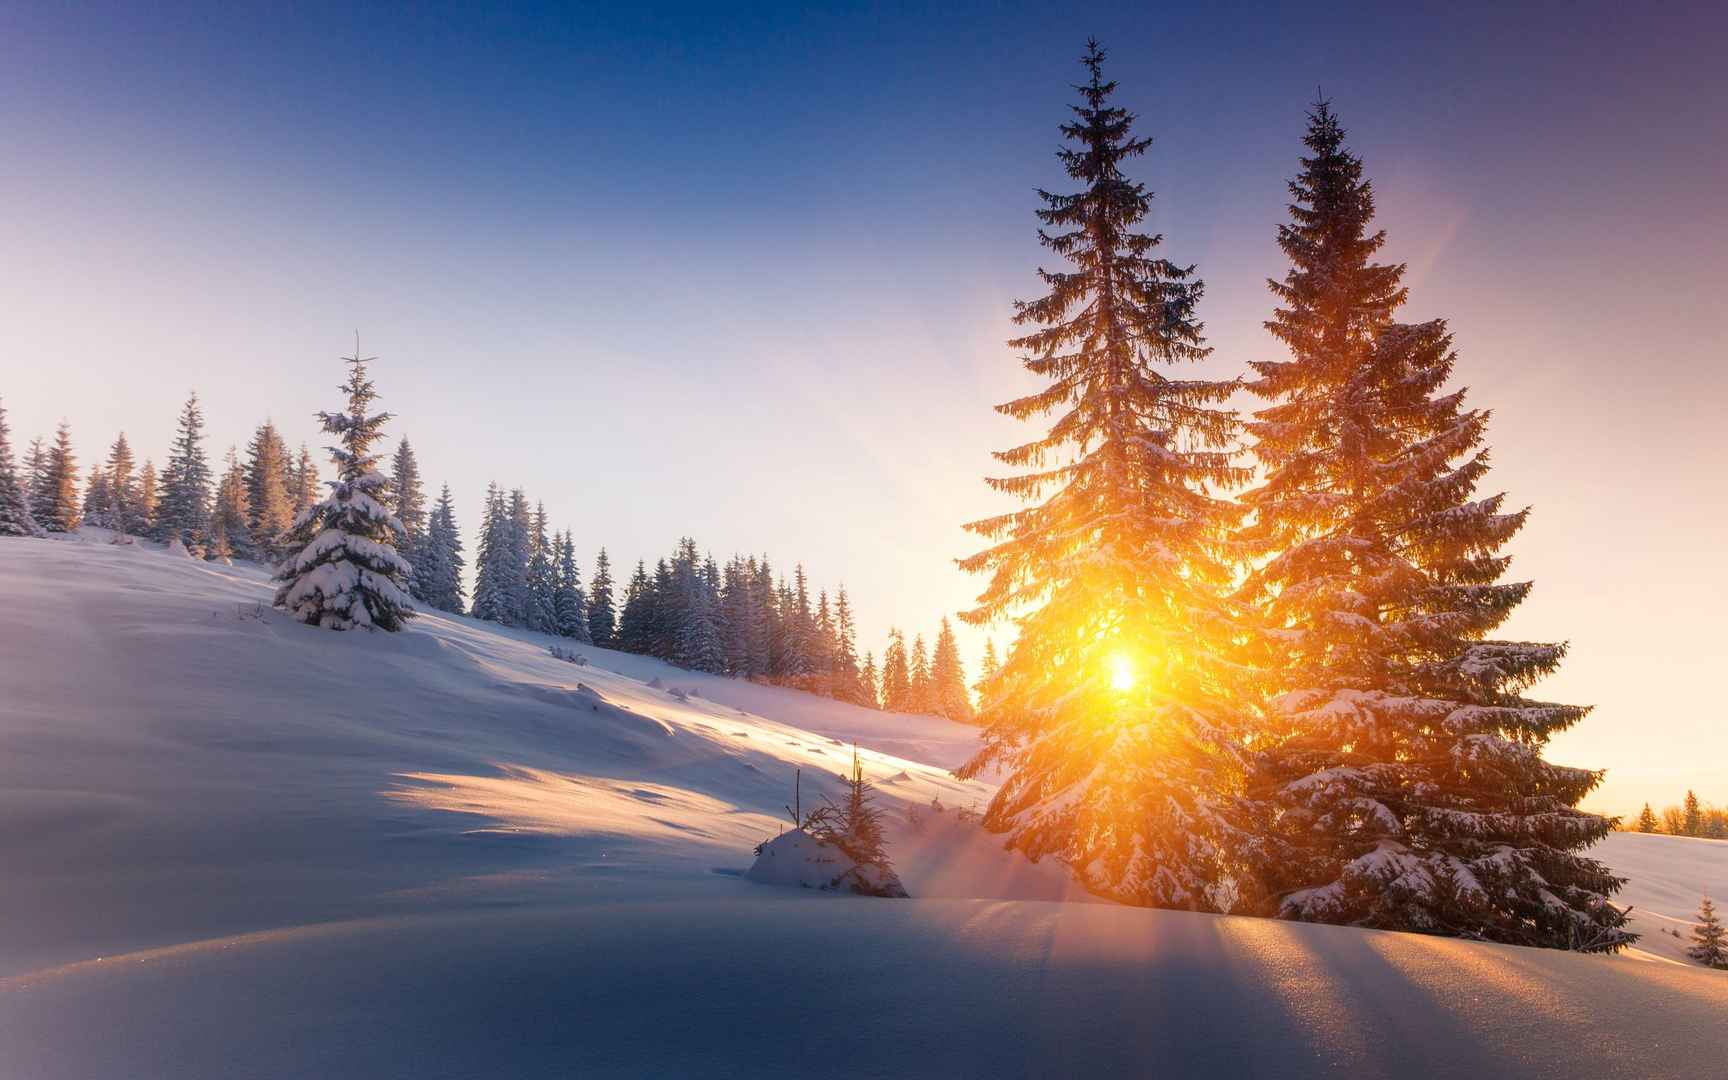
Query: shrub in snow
{"x": 797, "y": 859}
{"x": 342, "y": 569}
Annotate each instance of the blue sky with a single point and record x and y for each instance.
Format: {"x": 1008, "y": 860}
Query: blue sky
{"x": 746, "y": 275}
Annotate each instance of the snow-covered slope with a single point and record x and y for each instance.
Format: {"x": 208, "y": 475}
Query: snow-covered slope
{"x": 1666, "y": 877}
{"x": 234, "y": 845}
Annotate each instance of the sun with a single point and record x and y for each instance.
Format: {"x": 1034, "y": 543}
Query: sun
{"x": 1122, "y": 673}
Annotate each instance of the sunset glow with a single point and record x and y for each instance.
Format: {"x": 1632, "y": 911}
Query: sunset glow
{"x": 1123, "y": 675}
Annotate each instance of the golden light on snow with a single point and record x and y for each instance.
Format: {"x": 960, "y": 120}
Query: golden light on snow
{"x": 1123, "y": 675}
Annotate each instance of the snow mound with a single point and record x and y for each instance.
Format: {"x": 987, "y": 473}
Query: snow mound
{"x": 795, "y": 859}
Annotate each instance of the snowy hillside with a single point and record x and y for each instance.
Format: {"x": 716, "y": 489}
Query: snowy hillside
{"x": 1666, "y": 876}
{"x": 235, "y": 845}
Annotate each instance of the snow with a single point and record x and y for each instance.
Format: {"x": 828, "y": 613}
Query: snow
{"x": 1667, "y": 876}
{"x": 233, "y": 844}
{"x": 797, "y": 860}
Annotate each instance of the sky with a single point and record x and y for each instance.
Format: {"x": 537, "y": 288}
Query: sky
{"x": 747, "y": 275}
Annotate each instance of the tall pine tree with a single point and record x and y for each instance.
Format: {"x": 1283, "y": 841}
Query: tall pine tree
{"x": 602, "y": 617}
{"x": 270, "y": 509}
{"x": 1402, "y": 784}
{"x": 54, "y": 493}
{"x": 185, "y": 509}
{"x": 15, "y": 517}
{"x": 948, "y": 678}
{"x": 342, "y": 569}
{"x": 1111, "y": 713}
{"x": 439, "y": 577}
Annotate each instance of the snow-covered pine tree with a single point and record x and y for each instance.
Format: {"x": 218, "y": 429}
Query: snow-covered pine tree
{"x": 233, "y": 511}
{"x": 440, "y": 578}
{"x": 124, "y": 516}
{"x": 1401, "y": 783}
{"x": 342, "y": 569}
{"x": 185, "y": 510}
{"x": 305, "y": 491}
{"x": 635, "y": 634}
{"x": 1647, "y": 822}
{"x": 735, "y": 617}
{"x": 948, "y": 678}
{"x": 408, "y": 503}
{"x": 34, "y": 473}
{"x": 923, "y": 697}
{"x": 868, "y": 695}
{"x": 492, "y": 570}
{"x": 1709, "y": 939}
{"x": 270, "y": 509}
{"x": 987, "y": 668}
{"x": 699, "y": 646}
{"x": 149, "y": 498}
{"x": 664, "y": 613}
{"x": 218, "y": 549}
{"x": 15, "y": 517}
{"x": 760, "y": 631}
{"x": 541, "y": 611}
{"x": 602, "y": 617}
{"x": 847, "y": 685}
{"x": 97, "y": 498}
{"x": 570, "y": 604}
{"x": 896, "y": 674}
{"x": 1111, "y": 712}
{"x": 518, "y": 555}
{"x": 54, "y": 495}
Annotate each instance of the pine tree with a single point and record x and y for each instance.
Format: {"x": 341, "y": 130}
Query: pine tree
{"x": 602, "y": 619}
{"x": 305, "y": 491}
{"x": 1647, "y": 820}
{"x": 987, "y": 668}
{"x": 408, "y": 502}
{"x": 541, "y": 613}
{"x": 896, "y": 675}
{"x": 439, "y": 577}
{"x": 570, "y": 605}
{"x": 15, "y": 517}
{"x": 922, "y": 698}
{"x": 54, "y": 494}
{"x": 518, "y": 555}
{"x": 342, "y": 569}
{"x": 948, "y": 678}
{"x": 1709, "y": 939}
{"x": 185, "y": 510}
{"x": 492, "y": 585}
{"x": 35, "y": 472}
{"x": 635, "y": 632}
{"x": 847, "y": 682}
{"x": 1401, "y": 783}
{"x": 97, "y": 498}
{"x": 149, "y": 498}
{"x": 1119, "y": 565}
{"x": 868, "y": 693}
{"x": 665, "y": 615}
{"x": 1693, "y": 823}
{"x": 233, "y": 511}
{"x": 125, "y": 516}
{"x": 270, "y": 509}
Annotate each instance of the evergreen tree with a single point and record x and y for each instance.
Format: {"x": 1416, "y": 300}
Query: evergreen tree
{"x": 602, "y": 619}
{"x": 635, "y": 630}
{"x": 408, "y": 503}
{"x": 15, "y": 517}
{"x": 664, "y": 613}
{"x": 342, "y": 569}
{"x": 185, "y": 509}
{"x": 492, "y": 585}
{"x": 896, "y": 675}
{"x": 868, "y": 694}
{"x": 948, "y": 678}
{"x": 518, "y": 555}
{"x": 735, "y": 618}
{"x": 987, "y": 668}
{"x": 1693, "y": 821}
{"x": 124, "y": 513}
{"x": 848, "y": 685}
{"x": 97, "y": 498}
{"x": 54, "y": 495}
{"x": 541, "y": 613}
{"x": 1118, "y": 566}
{"x": 1647, "y": 820}
{"x": 233, "y": 511}
{"x": 149, "y": 498}
{"x": 305, "y": 481}
{"x": 699, "y": 647}
{"x": 35, "y": 472}
{"x": 270, "y": 509}
{"x": 570, "y": 605}
{"x": 922, "y": 698}
{"x": 219, "y": 549}
{"x": 439, "y": 577}
{"x": 1709, "y": 939}
{"x": 761, "y": 629}
{"x": 1401, "y": 785}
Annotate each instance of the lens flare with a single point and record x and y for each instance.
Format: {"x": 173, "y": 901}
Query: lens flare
{"x": 1122, "y": 673}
